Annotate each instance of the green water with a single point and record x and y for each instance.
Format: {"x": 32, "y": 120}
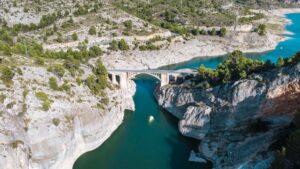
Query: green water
{"x": 138, "y": 144}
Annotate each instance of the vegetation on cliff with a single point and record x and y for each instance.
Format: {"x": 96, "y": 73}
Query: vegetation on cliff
{"x": 237, "y": 67}
{"x": 181, "y": 16}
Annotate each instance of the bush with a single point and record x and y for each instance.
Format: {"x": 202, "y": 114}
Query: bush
{"x": 223, "y": 32}
{"x": 148, "y": 46}
{"x": 280, "y": 62}
{"x": 123, "y": 45}
{"x": 39, "y": 61}
{"x": 261, "y": 29}
{"x": 44, "y": 98}
{"x": 74, "y": 37}
{"x": 57, "y": 70}
{"x": 53, "y": 83}
{"x": 95, "y": 51}
{"x": 128, "y": 24}
{"x": 2, "y": 98}
{"x": 105, "y": 100}
{"x": 92, "y": 30}
{"x": 7, "y": 74}
{"x": 114, "y": 45}
{"x": 97, "y": 82}
{"x": 55, "y": 121}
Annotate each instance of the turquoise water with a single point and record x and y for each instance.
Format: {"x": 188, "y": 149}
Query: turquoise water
{"x": 138, "y": 144}
{"x": 284, "y": 49}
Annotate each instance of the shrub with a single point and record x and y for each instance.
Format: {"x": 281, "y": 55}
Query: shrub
{"x": 92, "y": 30}
{"x": 280, "y": 62}
{"x": 57, "y": 70}
{"x": 148, "y": 46}
{"x": 223, "y": 32}
{"x": 7, "y": 74}
{"x": 74, "y": 37}
{"x": 123, "y": 45}
{"x": 55, "y": 121}
{"x": 66, "y": 87}
{"x": 78, "y": 81}
{"x": 128, "y": 24}
{"x": 39, "y": 61}
{"x": 53, "y": 83}
{"x": 44, "y": 98}
{"x": 95, "y": 51}
{"x": 114, "y": 45}
{"x": 2, "y": 98}
{"x": 98, "y": 81}
{"x": 105, "y": 100}
{"x": 261, "y": 29}
{"x": 213, "y": 32}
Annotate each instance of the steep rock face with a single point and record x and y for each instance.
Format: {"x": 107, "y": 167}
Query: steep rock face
{"x": 226, "y": 117}
{"x": 29, "y": 136}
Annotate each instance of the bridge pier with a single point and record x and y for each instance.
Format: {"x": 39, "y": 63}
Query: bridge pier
{"x": 164, "y": 79}
{"x": 123, "y": 80}
{"x": 114, "y": 79}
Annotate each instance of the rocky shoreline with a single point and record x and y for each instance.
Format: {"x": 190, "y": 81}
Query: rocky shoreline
{"x": 144, "y": 60}
{"x": 138, "y": 60}
{"x": 236, "y": 122}
{"x": 106, "y": 124}
{"x": 205, "y": 46}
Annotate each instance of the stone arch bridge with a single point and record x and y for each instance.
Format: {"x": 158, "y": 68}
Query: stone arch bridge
{"x": 121, "y": 77}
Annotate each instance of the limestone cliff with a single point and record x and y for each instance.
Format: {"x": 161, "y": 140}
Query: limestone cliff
{"x": 32, "y": 138}
{"x": 236, "y": 122}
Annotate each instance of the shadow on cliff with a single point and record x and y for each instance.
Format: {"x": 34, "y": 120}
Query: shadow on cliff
{"x": 180, "y": 154}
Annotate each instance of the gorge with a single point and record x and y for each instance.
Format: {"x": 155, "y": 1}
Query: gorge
{"x": 155, "y": 139}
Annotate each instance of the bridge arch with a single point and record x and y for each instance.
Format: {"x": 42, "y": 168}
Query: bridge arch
{"x": 121, "y": 77}
{"x": 155, "y": 76}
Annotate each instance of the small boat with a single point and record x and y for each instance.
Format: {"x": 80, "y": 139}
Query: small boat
{"x": 151, "y": 119}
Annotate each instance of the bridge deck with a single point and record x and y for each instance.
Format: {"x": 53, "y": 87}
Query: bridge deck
{"x": 183, "y": 71}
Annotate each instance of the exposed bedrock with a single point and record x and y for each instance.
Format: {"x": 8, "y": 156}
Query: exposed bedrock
{"x": 236, "y": 122}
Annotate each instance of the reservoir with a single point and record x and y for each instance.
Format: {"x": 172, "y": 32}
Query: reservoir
{"x": 141, "y": 144}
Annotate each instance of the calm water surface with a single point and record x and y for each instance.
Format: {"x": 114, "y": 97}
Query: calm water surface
{"x": 138, "y": 144}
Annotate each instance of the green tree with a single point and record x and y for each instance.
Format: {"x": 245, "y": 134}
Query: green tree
{"x": 92, "y": 30}
{"x": 202, "y": 70}
{"x": 95, "y": 51}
